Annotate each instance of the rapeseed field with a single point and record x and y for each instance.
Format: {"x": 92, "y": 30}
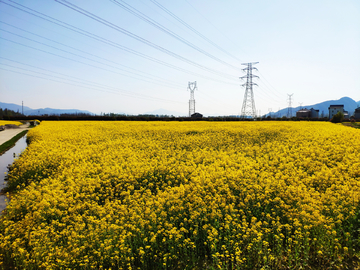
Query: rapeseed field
{"x": 184, "y": 195}
{"x": 6, "y": 122}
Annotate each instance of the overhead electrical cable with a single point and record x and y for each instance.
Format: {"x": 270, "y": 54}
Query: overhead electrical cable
{"x": 144, "y": 74}
{"x": 68, "y": 46}
{"x": 74, "y": 60}
{"x": 212, "y": 100}
{"x": 76, "y": 83}
{"x": 35, "y": 76}
{"x": 138, "y": 38}
{"x": 75, "y": 79}
{"x": 147, "y": 19}
{"x": 108, "y": 42}
{"x": 210, "y": 22}
{"x": 221, "y": 32}
{"x": 263, "y": 77}
{"x": 273, "y": 96}
{"x": 137, "y": 78}
{"x": 193, "y": 29}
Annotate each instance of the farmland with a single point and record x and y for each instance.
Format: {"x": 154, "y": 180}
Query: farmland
{"x": 184, "y": 195}
{"x": 5, "y": 122}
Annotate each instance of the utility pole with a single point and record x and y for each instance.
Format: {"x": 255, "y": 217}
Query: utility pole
{"x": 22, "y": 108}
{"x": 248, "y": 107}
{"x": 192, "y": 87}
{"x": 289, "y": 112}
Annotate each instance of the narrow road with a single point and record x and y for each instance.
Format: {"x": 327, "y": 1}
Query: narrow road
{"x": 8, "y": 134}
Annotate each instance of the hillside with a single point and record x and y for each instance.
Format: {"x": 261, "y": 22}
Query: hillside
{"x": 349, "y": 105}
{"x": 42, "y": 111}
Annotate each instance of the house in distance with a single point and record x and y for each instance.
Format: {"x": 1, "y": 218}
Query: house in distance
{"x": 357, "y": 113}
{"x": 334, "y": 109}
{"x": 196, "y": 115}
{"x": 306, "y": 113}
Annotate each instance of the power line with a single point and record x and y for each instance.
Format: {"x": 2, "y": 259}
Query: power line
{"x": 221, "y": 32}
{"x": 60, "y": 50}
{"x": 138, "y": 38}
{"x": 211, "y": 99}
{"x": 111, "y": 43}
{"x": 71, "y": 59}
{"x": 262, "y": 76}
{"x": 106, "y": 41}
{"x": 192, "y": 29}
{"x": 143, "y": 74}
{"x": 53, "y": 47}
{"x": 147, "y": 19}
{"x": 83, "y": 81}
{"x": 198, "y": 33}
{"x": 75, "y": 83}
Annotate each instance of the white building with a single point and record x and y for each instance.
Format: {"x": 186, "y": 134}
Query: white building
{"x": 334, "y": 109}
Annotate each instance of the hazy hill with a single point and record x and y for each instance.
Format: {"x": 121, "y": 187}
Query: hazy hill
{"x": 42, "y": 111}
{"x": 13, "y": 107}
{"x": 51, "y": 111}
{"x": 349, "y": 105}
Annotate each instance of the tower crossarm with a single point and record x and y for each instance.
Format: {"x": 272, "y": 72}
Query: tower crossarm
{"x": 246, "y": 76}
{"x": 251, "y": 63}
{"x": 246, "y": 84}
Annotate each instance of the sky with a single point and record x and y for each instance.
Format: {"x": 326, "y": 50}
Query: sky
{"x": 139, "y": 56}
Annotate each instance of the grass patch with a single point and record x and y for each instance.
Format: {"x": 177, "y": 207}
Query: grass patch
{"x": 10, "y": 143}
{"x": 349, "y": 124}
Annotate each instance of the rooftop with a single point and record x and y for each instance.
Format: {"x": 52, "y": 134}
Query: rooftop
{"x": 304, "y": 110}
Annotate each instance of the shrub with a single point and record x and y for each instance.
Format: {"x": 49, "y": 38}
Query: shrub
{"x": 337, "y": 118}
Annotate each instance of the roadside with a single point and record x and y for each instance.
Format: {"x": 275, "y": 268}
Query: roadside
{"x": 8, "y": 134}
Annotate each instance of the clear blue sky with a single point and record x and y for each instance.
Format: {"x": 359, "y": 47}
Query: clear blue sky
{"x": 307, "y": 48}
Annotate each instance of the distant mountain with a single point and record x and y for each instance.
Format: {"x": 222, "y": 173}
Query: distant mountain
{"x": 48, "y": 111}
{"x": 349, "y": 105}
{"x": 13, "y": 107}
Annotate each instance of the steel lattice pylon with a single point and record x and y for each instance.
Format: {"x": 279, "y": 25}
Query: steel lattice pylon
{"x": 289, "y": 112}
{"x": 192, "y": 88}
{"x": 248, "y": 107}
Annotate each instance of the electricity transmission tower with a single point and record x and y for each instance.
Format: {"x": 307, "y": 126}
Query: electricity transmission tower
{"x": 192, "y": 87}
{"x": 248, "y": 107}
{"x": 289, "y": 112}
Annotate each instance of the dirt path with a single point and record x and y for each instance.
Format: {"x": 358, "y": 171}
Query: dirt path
{"x": 8, "y": 134}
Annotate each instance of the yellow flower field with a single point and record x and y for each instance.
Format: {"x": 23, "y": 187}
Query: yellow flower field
{"x": 6, "y": 122}
{"x": 184, "y": 195}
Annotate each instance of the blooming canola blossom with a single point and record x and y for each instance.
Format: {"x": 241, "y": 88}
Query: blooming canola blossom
{"x": 165, "y": 195}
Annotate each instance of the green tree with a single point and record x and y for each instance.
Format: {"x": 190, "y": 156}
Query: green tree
{"x": 337, "y": 118}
